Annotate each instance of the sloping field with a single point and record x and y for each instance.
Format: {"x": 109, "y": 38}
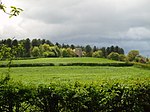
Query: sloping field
{"x": 62, "y": 60}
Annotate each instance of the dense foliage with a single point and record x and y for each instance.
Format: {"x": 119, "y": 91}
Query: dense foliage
{"x": 106, "y": 97}
{"x": 45, "y": 48}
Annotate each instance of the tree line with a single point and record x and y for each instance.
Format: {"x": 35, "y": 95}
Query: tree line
{"x": 45, "y": 48}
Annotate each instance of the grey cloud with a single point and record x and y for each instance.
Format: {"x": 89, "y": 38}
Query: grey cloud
{"x": 100, "y": 22}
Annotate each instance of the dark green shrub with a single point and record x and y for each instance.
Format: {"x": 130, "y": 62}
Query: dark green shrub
{"x": 106, "y": 97}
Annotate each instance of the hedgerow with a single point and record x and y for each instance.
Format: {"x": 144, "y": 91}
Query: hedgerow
{"x": 141, "y": 65}
{"x": 67, "y": 64}
{"x": 97, "y": 64}
{"x": 77, "y": 97}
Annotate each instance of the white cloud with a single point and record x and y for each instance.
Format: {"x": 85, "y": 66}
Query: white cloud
{"x": 138, "y": 33}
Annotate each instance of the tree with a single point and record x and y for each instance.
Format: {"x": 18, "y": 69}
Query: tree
{"x": 122, "y": 57}
{"x": 20, "y": 50}
{"x": 71, "y": 52}
{"x": 27, "y": 46}
{"x": 9, "y": 42}
{"x": 113, "y": 56}
{"x": 35, "y": 52}
{"x": 58, "y": 51}
{"x": 65, "y": 53}
{"x": 120, "y": 51}
{"x": 97, "y": 54}
{"x": 57, "y": 44}
{"x": 103, "y": 49}
{"x": 5, "y": 52}
{"x": 46, "y": 47}
{"x": 132, "y": 54}
{"x": 13, "y": 12}
{"x": 112, "y": 49}
{"x": 35, "y": 42}
{"x": 15, "y": 42}
{"x": 94, "y": 48}
{"x": 72, "y": 46}
{"x": 49, "y": 43}
{"x": 88, "y": 51}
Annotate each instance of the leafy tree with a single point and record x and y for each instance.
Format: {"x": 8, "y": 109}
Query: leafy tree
{"x": 46, "y": 47}
{"x": 35, "y": 52}
{"x": 35, "y": 42}
{"x": 20, "y": 50}
{"x": 43, "y": 41}
{"x": 58, "y": 45}
{"x": 9, "y": 42}
{"x": 97, "y": 54}
{"x": 132, "y": 54}
{"x": 71, "y": 52}
{"x": 72, "y": 46}
{"x": 122, "y": 57}
{"x": 45, "y": 54}
{"x": 68, "y": 52}
{"x": 120, "y": 51}
{"x": 94, "y": 48}
{"x": 5, "y": 52}
{"x": 65, "y": 45}
{"x": 58, "y": 52}
{"x": 103, "y": 49}
{"x": 112, "y": 49}
{"x": 49, "y": 43}
{"x": 113, "y": 56}
{"x": 65, "y": 53}
{"x": 51, "y": 54}
{"x": 88, "y": 51}
{"x": 27, "y": 46}
{"x": 15, "y": 42}
{"x": 108, "y": 51}
{"x": 13, "y": 12}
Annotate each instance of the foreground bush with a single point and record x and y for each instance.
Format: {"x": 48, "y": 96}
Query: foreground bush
{"x": 77, "y": 97}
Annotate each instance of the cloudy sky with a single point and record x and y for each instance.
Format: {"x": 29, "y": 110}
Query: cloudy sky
{"x": 125, "y": 23}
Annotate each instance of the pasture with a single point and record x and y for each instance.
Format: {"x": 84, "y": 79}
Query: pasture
{"x": 62, "y": 60}
{"x": 71, "y": 74}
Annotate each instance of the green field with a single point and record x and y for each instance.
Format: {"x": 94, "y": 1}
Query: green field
{"x": 61, "y": 60}
{"x": 84, "y": 74}
{"x": 46, "y": 75}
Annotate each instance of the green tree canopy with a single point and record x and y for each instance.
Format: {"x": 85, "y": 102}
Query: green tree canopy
{"x": 97, "y": 54}
{"x": 132, "y": 54}
{"x": 114, "y": 56}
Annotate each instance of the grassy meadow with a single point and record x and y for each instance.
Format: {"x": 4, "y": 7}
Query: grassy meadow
{"x": 84, "y": 74}
{"x": 61, "y": 60}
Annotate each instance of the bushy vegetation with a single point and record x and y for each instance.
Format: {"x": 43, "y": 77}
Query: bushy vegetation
{"x": 37, "y": 48}
{"x": 45, "y": 48}
{"x": 106, "y": 97}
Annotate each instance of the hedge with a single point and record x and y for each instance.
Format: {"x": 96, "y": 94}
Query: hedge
{"x": 141, "y": 65}
{"x": 28, "y": 65}
{"x": 97, "y": 64}
{"x": 116, "y": 97}
{"x": 68, "y": 64}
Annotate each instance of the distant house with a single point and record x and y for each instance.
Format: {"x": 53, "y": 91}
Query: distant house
{"x": 78, "y": 52}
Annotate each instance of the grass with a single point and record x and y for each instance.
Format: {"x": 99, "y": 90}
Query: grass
{"x": 84, "y": 74}
{"x": 62, "y": 60}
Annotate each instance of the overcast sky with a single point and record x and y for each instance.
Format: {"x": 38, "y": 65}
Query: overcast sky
{"x": 125, "y": 23}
